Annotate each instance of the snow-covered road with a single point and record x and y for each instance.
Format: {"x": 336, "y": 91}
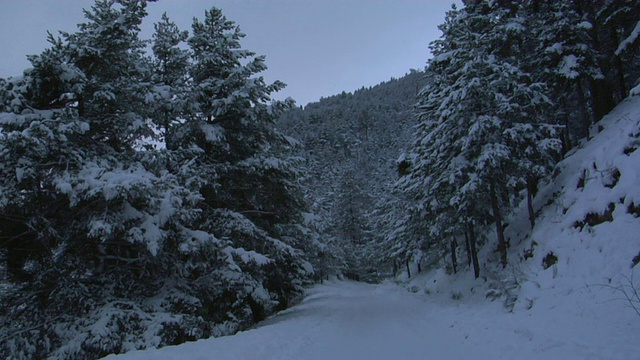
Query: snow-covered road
{"x": 349, "y": 320}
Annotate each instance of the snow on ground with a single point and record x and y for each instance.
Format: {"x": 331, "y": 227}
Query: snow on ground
{"x": 349, "y": 320}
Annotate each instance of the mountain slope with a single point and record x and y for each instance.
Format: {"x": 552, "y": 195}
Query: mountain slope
{"x": 589, "y": 219}
{"x": 350, "y": 143}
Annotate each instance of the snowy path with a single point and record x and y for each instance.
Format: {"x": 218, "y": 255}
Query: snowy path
{"x": 348, "y": 320}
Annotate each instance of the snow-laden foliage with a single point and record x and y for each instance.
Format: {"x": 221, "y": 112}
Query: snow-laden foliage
{"x": 169, "y": 95}
{"x": 108, "y": 244}
{"x": 150, "y": 200}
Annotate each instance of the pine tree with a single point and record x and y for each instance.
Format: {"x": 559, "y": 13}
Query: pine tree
{"x": 171, "y": 61}
{"x": 170, "y": 72}
{"x": 164, "y": 245}
{"x": 568, "y": 62}
{"x": 350, "y": 222}
{"x": 110, "y": 54}
{"x": 232, "y": 123}
{"x": 238, "y": 160}
{"x": 55, "y": 80}
{"x": 470, "y": 150}
{"x": 619, "y": 34}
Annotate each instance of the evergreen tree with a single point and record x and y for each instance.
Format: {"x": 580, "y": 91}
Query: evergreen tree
{"x": 568, "y": 62}
{"x": 470, "y": 151}
{"x": 238, "y": 161}
{"x": 170, "y": 72}
{"x": 55, "y": 80}
{"x": 619, "y": 33}
{"x": 232, "y": 124}
{"x": 171, "y": 61}
{"x": 163, "y": 246}
{"x": 351, "y": 226}
{"x": 110, "y": 54}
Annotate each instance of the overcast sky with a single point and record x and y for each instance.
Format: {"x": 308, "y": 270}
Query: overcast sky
{"x": 317, "y": 47}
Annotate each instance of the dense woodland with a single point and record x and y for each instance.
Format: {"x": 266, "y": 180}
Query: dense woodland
{"x": 494, "y": 120}
{"x": 350, "y": 143}
{"x": 153, "y": 193}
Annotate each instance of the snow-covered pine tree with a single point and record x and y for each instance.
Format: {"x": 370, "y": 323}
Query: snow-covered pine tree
{"x": 239, "y": 161}
{"x": 468, "y": 151}
{"x": 55, "y": 80}
{"x": 351, "y": 226}
{"x": 110, "y": 54}
{"x": 618, "y": 31}
{"x": 82, "y": 221}
{"x": 109, "y": 247}
{"x": 567, "y": 62}
{"x": 171, "y": 62}
{"x": 170, "y": 72}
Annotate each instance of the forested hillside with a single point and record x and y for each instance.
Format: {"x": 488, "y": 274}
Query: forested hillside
{"x": 350, "y": 143}
{"x": 421, "y": 172}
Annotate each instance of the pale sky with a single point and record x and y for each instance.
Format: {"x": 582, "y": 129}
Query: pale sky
{"x": 317, "y": 47}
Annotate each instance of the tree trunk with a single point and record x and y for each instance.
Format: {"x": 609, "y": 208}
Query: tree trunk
{"x": 566, "y": 132}
{"x": 467, "y": 248}
{"x": 584, "y": 114}
{"x": 497, "y": 219}
{"x": 619, "y": 67}
{"x": 601, "y": 98}
{"x": 531, "y": 191}
{"x": 419, "y": 267}
{"x": 622, "y": 86}
{"x": 408, "y": 268}
{"x": 602, "y": 94}
{"x": 474, "y": 251}
{"x": 563, "y": 140}
{"x": 454, "y": 260}
{"x": 81, "y": 108}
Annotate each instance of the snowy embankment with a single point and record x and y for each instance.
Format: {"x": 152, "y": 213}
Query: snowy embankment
{"x": 348, "y": 320}
{"x": 586, "y": 243}
{"x": 569, "y": 277}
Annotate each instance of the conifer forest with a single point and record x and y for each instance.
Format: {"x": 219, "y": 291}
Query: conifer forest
{"x": 153, "y": 192}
